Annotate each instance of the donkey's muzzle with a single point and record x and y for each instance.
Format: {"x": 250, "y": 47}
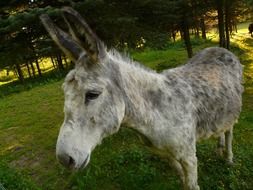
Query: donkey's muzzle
{"x": 66, "y": 161}
{"x": 73, "y": 163}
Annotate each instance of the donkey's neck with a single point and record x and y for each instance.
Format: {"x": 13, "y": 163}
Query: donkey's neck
{"x": 141, "y": 89}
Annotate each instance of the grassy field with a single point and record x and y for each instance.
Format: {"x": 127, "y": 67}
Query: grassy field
{"x": 30, "y": 120}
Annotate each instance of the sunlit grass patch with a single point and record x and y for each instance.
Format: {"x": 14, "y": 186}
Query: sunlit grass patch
{"x": 6, "y": 76}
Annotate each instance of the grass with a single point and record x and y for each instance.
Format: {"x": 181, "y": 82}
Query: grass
{"x": 30, "y": 121}
{"x": 18, "y": 180}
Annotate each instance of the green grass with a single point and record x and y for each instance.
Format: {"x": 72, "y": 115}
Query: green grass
{"x": 30, "y": 121}
{"x": 18, "y": 181}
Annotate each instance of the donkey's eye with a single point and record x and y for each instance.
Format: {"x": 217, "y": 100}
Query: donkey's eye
{"x": 91, "y": 95}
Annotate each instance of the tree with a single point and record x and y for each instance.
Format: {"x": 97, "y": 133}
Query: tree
{"x": 20, "y": 33}
{"x": 121, "y": 24}
{"x": 228, "y": 11}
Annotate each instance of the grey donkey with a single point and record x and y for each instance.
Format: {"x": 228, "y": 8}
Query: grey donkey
{"x": 173, "y": 109}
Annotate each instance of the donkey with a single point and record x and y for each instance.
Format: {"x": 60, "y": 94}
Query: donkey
{"x": 173, "y": 109}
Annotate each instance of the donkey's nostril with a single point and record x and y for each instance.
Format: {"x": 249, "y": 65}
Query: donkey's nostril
{"x": 66, "y": 160}
{"x": 71, "y": 162}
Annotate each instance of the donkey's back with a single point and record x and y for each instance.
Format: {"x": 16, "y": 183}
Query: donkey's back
{"x": 215, "y": 77}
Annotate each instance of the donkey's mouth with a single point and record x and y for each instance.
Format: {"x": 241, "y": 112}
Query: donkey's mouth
{"x": 85, "y": 162}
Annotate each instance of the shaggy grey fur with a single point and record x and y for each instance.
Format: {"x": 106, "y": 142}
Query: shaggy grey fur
{"x": 172, "y": 110}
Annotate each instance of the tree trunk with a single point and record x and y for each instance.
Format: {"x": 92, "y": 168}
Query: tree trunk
{"x": 203, "y": 28}
{"x": 173, "y": 34}
{"x": 15, "y": 72}
{"x": 65, "y": 60}
{"x": 197, "y": 32}
{"x": 33, "y": 69}
{"x": 59, "y": 61}
{"x": 195, "y": 19}
{"x": 186, "y": 37}
{"x": 227, "y": 23}
{"x": 181, "y": 34}
{"x": 38, "y": 67}
{"x": 20, "y": 73}
{"x": 220, "y": 10}
{"x": 52, "y": 60}
{"x": 235, "y": 26}
{"x": 28, "y": 69}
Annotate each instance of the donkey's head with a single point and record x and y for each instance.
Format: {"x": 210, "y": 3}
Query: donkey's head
{"x": 94, "y": 106}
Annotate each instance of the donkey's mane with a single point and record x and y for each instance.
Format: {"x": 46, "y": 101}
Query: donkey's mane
{"x": 125, "y": 58}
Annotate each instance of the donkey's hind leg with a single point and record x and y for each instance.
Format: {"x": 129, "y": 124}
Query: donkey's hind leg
{"x": 228, "y": 141}
{"x": 221, "y": 145}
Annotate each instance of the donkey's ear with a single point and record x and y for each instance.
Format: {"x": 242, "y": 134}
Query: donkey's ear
{"x": 69, "y": 46}
{"x": 82, "y": 33}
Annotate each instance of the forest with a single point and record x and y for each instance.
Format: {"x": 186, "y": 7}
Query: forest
{"x": 123, "y": 25}
{"x": 160, "y": 34}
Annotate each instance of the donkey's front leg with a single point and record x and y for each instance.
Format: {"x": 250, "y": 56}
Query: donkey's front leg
{"x": 178, "y": 167}
{"x": 190, "y": 168}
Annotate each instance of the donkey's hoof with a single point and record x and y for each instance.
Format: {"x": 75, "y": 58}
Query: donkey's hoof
{"x": 230, "y": 162}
